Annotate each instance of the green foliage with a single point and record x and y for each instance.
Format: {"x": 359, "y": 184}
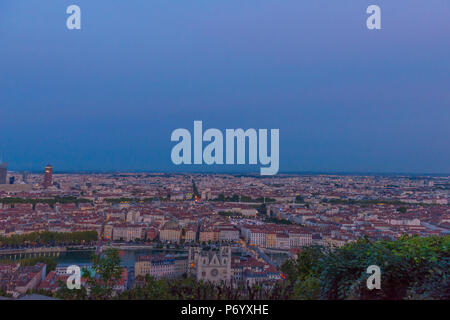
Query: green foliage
{"x": 49, "y": 238}
{"x": 256, "y": 200}
{"x": 49, "y": 201}
{"x": 406, "y": 264}
{"x": 411, "y": 268}
{"x": 278, "y": 221}
{"x": 307, "y": 289}
{"x": 195, "y": 190}
{"x": 304, "y": 272}
{"x": 235, "y": 198}
{"x": 402, "y": 209}
{"x": 125, "y": 199}
{"x": 3, "y": 293}
{"x": 187, "y": 288}
{"x": 68, "y": 294}
{"x": 107, "y": 272}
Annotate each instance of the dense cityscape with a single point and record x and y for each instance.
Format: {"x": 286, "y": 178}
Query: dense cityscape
{"x": 233, "y": 229}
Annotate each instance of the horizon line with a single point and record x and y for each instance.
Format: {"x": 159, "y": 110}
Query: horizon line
{"x": 255, "y": 173}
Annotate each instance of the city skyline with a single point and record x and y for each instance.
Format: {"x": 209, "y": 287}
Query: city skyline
{"x": 238, "y": 232}
{"x": 236, "y": 171}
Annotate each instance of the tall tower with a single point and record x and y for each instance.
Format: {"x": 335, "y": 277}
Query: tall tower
{"x": 48, "y": 176}
{"x": 24, "y": 177}
{"x": 3, "y": 171}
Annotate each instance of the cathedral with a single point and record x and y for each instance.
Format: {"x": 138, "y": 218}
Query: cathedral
{"x": 211, "y": 265}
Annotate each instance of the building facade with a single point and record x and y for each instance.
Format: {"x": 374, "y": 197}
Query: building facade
{"x": 156, "y": 266}
{"x": 211, "y": 265}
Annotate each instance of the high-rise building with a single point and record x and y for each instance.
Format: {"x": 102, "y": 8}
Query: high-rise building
{"x": 48, "y": 176}
{"x": 24, "y": 177}
{"x": 11, "y": 180}
{"x": 3, "y": 172}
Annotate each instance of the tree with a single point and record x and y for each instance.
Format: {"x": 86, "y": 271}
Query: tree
{"x": 107, "y": 272}
{"x": 303, "y": 274}
{"x": 68, "y": 294}
{"x": 411, "y": 268}
{"x": 402, "y": 209}
{"x": 195, "y": 190}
